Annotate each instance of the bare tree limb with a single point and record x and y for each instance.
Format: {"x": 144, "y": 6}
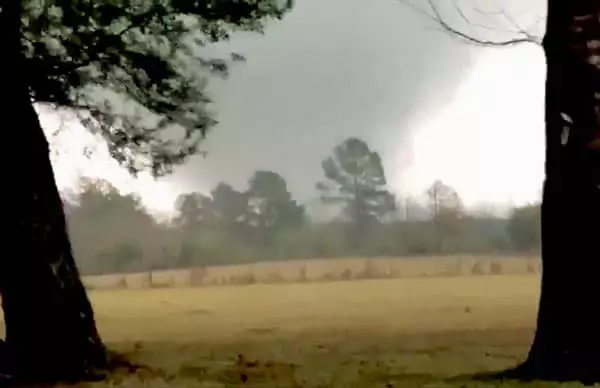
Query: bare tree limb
{"x": 432, "y": 12}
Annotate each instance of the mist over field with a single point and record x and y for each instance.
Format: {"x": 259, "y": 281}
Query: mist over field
{"x": 369, "y": 135}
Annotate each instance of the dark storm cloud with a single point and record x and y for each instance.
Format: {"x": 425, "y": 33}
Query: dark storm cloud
{"x": 331, "y": 69}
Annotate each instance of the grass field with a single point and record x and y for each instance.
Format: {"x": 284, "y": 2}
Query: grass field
{"x": 371, "y": 333}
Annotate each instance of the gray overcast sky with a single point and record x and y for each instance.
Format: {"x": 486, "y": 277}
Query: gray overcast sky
{"x": 374, "y": 69}
{"x": 331, "y": 69}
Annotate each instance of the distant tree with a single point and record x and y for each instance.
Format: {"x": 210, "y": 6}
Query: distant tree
{"x": 446, "y": 210}
{"x": 103, "y": 221}
{"x": 192, "y": 211}
{"x": 131, "y": 72}
{"x": 100, "y": 199}
{"x": 444, "y": 201}
{"x": 119, "y": 257}
{"x": 356, "y": 181}
{"x": 229, "y": 207}
{"x": 272, "y": 208}
{"x": 225, "y": 208}
{"x": 186, "y": 255}
{"x": 524, "y": 228}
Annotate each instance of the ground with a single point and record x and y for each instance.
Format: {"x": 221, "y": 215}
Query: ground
{"x": 371, "y": 333}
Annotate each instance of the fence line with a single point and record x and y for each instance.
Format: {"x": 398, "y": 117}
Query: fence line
{"x": 314, "y": 270}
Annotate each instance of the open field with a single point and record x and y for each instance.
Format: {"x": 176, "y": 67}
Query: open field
{"x": 370, "y": 333}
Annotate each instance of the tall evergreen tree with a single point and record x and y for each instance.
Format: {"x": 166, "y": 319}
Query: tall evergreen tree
{"x": 356, "y": 181}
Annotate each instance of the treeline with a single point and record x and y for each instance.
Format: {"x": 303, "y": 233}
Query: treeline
{"x": 356, "y": 216}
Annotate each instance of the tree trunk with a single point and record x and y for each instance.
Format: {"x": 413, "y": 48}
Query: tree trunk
{"x": 50, "y": 328}
{"x": 567, "y": 340}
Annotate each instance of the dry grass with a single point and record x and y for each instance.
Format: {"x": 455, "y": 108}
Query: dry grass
{"x": 371, "y": 333}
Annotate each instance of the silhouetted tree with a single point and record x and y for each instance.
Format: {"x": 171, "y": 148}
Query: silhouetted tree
{"x": 356, "y": 180}
{"x": 131, "y": 72}
{"x": 567, "y": 340}
{"x": 100, "y": 199}
{"x": 226, "y": 209}
{"x": 193, "y": 209}
{"x": 446, "y": 210}
{"x": 272, "y": 208}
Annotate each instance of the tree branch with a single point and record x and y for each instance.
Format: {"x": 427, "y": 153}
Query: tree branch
{"x": 432, "y": 12}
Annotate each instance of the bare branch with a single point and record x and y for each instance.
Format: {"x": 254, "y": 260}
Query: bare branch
{"x": 460, "y": 12}
{"x": 465, "y": 18}
{"x": 432, "y": 12}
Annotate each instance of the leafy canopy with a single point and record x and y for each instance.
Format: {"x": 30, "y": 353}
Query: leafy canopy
{"x": 133, "y": 69}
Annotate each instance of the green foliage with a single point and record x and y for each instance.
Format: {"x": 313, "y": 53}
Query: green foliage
{"x": 134, "y": 71}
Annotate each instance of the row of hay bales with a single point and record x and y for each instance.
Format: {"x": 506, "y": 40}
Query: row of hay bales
{"x": 317, "y": 270}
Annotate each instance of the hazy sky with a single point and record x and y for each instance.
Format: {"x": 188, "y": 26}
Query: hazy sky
{"x": 432, "y": 106}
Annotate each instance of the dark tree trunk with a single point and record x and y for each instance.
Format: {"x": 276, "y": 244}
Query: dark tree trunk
{"x": 567, "y": 340}
{"x": 50, "y": 328}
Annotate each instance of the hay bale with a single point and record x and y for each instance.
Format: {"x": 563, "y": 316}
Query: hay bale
{"x": 138, "y": 280}
{"x": 496, "y": 268}
{"x": 242, "y": 279}
{"x": 198, "y": 277}
{"x": 479, "y": 268}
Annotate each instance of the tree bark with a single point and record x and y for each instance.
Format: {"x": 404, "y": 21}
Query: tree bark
{"x": 50, "y": 328}
{"x": 567, "y": 340}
